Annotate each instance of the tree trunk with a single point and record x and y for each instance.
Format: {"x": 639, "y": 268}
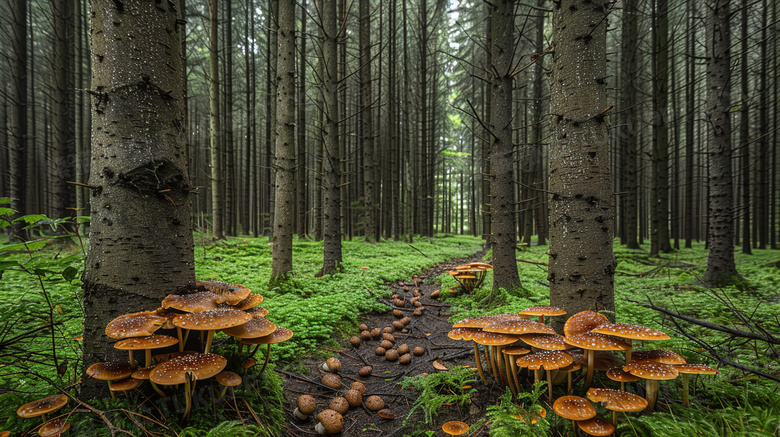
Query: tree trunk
{"x": 229, "y": 167}
{"x": 487, "y": 232}
{"x": 367, "y": 122}
{"x": 690, "y": 105}
{"x": 659, "y": 227}
{"x": 215, "y": 136}
{"x": 744, "y": 131}
{"x": 331, "y": 158}
{"x": 502, "y": 184}
{"x": 628, "y": 130}
{"x": 141, "y": 245}
{"x": 720, "y": 263}
{"x": 300, "y": 165}
{"x": 285, "y": 142}
{"x": 582, "y": 264}
{"x": 63, "y": 146}
{"x": 17, "y": 120}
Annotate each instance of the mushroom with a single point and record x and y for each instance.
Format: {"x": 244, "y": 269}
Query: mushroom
{"x": 616, "y": 400}
{"x": 403, "y": 349}
{"x": 596, "y": 426}
{"x": 124, "y": 385}
{"x": 354, "y": 398}
{"x": 630, "y": 332}
{"x": 590, "y": 342}
{"x": 42, "y": 407}
{"x": 251, "y": 301}
{"x": 365, "y": 371}
{"x": 339, "y": 404}
{"x": 279, "y": 335}
{"x": 617, "y": 374}
{"x": 146, "y": 344}
{"x": 386, "y": 344}
{"x": 54, "y": 427}
{"x": 686, "y": 369}
{"x": 405, "y": 359}
{"x": 374, "y": 403}
{"x": 329, "y": 422}
{"x": 391, "y": 355}
{"x": 138, "y": 324}
{"x": 418, "y": 351}
{"x": 188, "y": 369}
{"x": 542, "y": 310}
{"x": 226, "y": 378}
{"x": 574, "y": 408}
{"x": 233, "y": 293}
{"x": 494, "y": 339}
{"x": 193, "y": 303}
{"x": 509, "y": 359}
{"x": 455, "y": 427}
{"x": 549, "y": 360}
{"x": 380, "y": 351}
{"x": 652, "y": 372}
{"x": 331, "y": 380}
{"x": 386, "y": 413}
{"x": 331, "y": 365}
{"x": 304, "y": 406}
{"x": 210, "y": 321}
{"x": 359, "y": 386}
{"x": 110, "y": 371}
{"x": 354, "y": 341}
{"x": 257, "y": 312}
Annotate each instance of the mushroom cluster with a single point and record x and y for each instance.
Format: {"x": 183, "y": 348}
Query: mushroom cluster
{"x": 589, "y": 342}
{"x": 471, "y": 275}
{"x": 214, "y": 306}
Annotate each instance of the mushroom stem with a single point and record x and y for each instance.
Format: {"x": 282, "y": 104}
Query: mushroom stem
{"x": 157, "y": 389}
{"x": 181, "y": 339}
{"x": 187, "y": 398}
{"x": 549, "y": 384}
{"x": 685, "y": 390}
{"x": 614, "y": 418}
{"x": 267, "y": 358}
{"x": 509, "y": 380}
{"x": 479, "y": 363}
{"x": 515, "y": 371}
{"x": 130, "y": 352}
{"x": 591, "y": 362}
{"x": 148, "y": 356}
{"x": 652, "y": 394}
{"x": 489, "y": 361}
{"x": 499, "y": 363}
{"x": 209, "y": 340}
{"x": 628, "y": 352}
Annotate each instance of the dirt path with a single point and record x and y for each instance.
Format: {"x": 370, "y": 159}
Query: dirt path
{"x": 428, "y": 331}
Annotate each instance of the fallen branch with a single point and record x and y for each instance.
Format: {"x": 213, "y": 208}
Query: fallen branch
{"x": 536, "y": 263}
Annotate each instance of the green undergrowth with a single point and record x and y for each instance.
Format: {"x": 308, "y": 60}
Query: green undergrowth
{"x": 453, "y": 387}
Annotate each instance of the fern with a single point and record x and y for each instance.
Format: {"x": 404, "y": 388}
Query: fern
{"x": 437, "y": 389}
{"x": 508, "y": 419}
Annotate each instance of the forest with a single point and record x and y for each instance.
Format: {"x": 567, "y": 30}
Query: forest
{"x": 427, "y": 165}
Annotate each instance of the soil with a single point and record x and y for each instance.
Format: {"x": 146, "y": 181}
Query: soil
{"x": 428, "y": 331}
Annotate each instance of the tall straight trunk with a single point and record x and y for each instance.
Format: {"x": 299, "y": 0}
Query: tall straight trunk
{"x": 409, "y": 195}
{"x": 422, "y": 157}
{"x": 331, "y": 176}
{"x": 141, "y": 244}
{"x": 487, "y": 229}
{"x": 540, "y": 213}
{"x": 720, "y": 262}
{"x": 744, "y": 130}
{"x": 300, "y": 164}
{"x": 229, "y": 167}
{"x": 347, "y": 188}
{"x": 17, "y": 120}
{"x": 63, "y": 147}
{"x": 270, "y": 106}
{"x": 215, "y": 137}
{"x": 582, "y": 264}
{"x": 629, "y": 126}
{"x": 395, "y": 150}
{"x": 659, "y": 227}
{"x": 248, "y": 188}
{"x": 502, "y": 184}
{"x": 285, "y": 142}
{"x": 367, "y": 122}
{"x": 762, "y": 171}
{"x": 690, "y": 105}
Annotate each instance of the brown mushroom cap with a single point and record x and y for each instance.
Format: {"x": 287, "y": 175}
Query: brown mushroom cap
{"x": 648, "y": 370}
{"x": 663, "y": 356}
{"x": 515, "y": 351}
{"x": 333, "y": 364}
{"x": 462, "y": 333}
{"x": 403, "y": 349}
{"x": 542, "y": 310}
{"x": 455, "y": 427}
{"x": 256, "y": 327}
{"x": 306, "y": 404}
{"x": 359, "y": 386}
{"x": 228, "y": 378}
{"x": 201, "y": 366}
{"x": 699, "y": 369}
{"x": 583, "y": 322}
{"x": 391, "y": 355}
{"x": 193, "y": 303}
{"x": 574, "y": 408}
{"x": 405, "y": 359}
{"x": 279, "y": 335}
{"x": 617, "y": 374}
{"x": 212, "y": 320}
{"x": 257, "y": 312}
{"x": 596, "y": 426}
{"x": 592, "y": 341}
{"x": 482, "y": 321}
{"x": 549, "y": 360}
{"x": 354, "y": 397}
{"x": 148, "y": 342}
{"x": 603, "y": 360}
{"x": 331, "y": 420}
{"x": 110, "y": 371}
{"x": 42, "y": 406}
{"x": 233, "y": 293}
{"x": 374, "y": 403}
{"x": 419, "y": 350}
{"x": 518, "y": 326}
{"x": 138, "y": 324}
{"x": 143, "y": 372}
{"x": 251, "y": 301}
{"x": 546, "y": 341}
{"x": 633, "y": 332}
{"x": 339, "y": 404}
{"x": 494, "y": 339}
{"x": 331, "y": 380}
{"x": 617, "y": 400}
{"x": 54, "y": 427}
{"x": 386, "y": 413}
{"x": 123, "y": 385}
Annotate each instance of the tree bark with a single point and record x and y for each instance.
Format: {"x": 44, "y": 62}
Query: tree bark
{"x": 141, "y": 244}
{"x": 720, "y": 262}
{"x": 285, "y": 142}
{"x": 582, "y": 264}
{"x": 744, "y": 131}
{"x": 502, "y": 184}
{"x": 215, "y": 135}
{"x": 17, "y": 120}
{"x": 367, "y": 122}
{"x": 629, "y": 128}
{"x": 300, "y": 164}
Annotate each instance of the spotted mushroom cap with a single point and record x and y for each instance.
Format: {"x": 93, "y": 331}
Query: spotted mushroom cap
{"x": 482, "y": 321}
{"x": 212, "y": 320}
{"x": 123, "y": 385}
{"x": 251, "y": 301}
{"x": 149, "y": 342}
{"x": 633, "y": 332}
{"x": 574, "y": 408}
{"x": 257, "y": 312}
{"x": 602, "y": 360}
{"x": 233, "y": 293}
{"x": 550, "y": 342}
{"x": 228, "y": 378}
{"x": 494, "y": 339}
{"x": 517, "y": 326}
{"x": 110, "y": 370}
{"x": 54, "y": 427}
{"x": 138, "y": 324}
{"x": 306, "y": 404}
{"x": 700, "y": 369}
{"x": 42, "y": 406}
{"x": 481, "y": 265}
{"x": 542, "y": 310}
{"x": 455, "y": 427}
{"x": 143, "y": 372}
{"x": 648, "y": 370}
{"x": 617, "y": 400}
{"x": 596, "y": 426}
{"x": 592, "y": 341}
{"x": 663, "y": 356}
{"x": 583, "y": 322}
{"x": 462, "y": 333}
{"x": 515, "y": 350}
{"x": 200, "y": 365}
{"x": 617, "y": 374}
{"x": 549, "y": 360}
{"x": 257, "y": 327}
{"x": 194, "y": 302}
{"x": 279, "y": 335}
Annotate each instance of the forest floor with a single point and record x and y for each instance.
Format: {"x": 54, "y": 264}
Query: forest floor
{"x": 428, "y": 331}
